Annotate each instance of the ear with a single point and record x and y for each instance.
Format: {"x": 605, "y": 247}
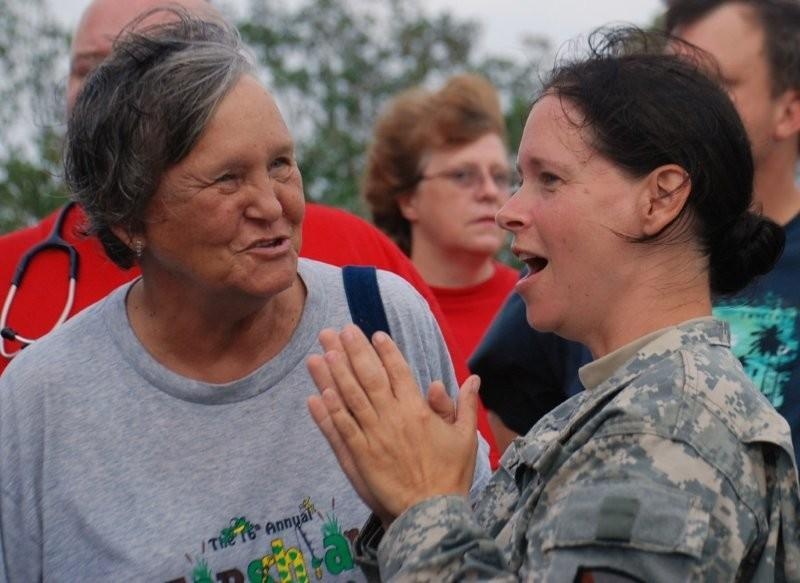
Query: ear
{"x": 127, "y": 237}
{"x": 407, "y": 203}
{"x": 787, "y": 124}
{"x": 123, "y": 235}
{"x": 666, "y": 192}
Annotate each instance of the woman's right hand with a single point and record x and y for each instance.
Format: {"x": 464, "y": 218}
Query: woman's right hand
{"x": 323, "y": 379}
{"x": 396, "y": 449}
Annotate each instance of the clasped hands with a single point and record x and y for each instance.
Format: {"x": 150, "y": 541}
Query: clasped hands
{"x": 396, "y": 447}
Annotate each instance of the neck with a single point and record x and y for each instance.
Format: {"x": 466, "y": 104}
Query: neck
{"x": 670, "y": 292}
{"x": 775, "y": 190}
{"x": 212, "y": 338}
{"x": 447, "y": 268}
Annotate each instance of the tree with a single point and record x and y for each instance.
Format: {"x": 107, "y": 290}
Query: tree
{"x": 30, "y": 186}
{"x": 31, "y": 46}
{"x": 332, "y": 64}
{"x": 518, "y": 82}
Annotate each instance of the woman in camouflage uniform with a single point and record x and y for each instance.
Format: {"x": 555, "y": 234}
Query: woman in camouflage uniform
{"x": 634, "y": 209}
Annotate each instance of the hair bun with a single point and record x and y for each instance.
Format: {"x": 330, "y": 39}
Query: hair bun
{"x": 749, "y": 246}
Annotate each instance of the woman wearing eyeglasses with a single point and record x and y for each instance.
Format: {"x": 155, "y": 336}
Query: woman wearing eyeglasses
{"x": 437, "y": 173}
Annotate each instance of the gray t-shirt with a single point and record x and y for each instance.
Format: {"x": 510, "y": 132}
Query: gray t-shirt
{"x": 114, "y": 468}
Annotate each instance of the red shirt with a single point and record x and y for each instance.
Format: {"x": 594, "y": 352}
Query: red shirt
{"x": 330, "y": 235}
{"x": 469, "y": 311}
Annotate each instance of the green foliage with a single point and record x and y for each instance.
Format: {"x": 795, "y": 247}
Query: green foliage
{"x": 518, "y": 82}
{"x": 333, "y": 64}
{"x": 31, "y": 46}
{"x": 31, "y": 189}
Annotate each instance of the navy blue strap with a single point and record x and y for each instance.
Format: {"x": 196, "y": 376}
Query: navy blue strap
{"x": 364, "y": 299}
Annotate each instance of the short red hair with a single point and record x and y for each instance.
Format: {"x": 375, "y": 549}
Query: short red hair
{"x": 413, "y": 124}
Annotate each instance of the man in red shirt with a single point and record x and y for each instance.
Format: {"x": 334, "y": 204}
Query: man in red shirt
{"x": 329, "y": 235}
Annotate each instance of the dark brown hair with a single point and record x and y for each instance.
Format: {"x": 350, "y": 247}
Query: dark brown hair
{"x": 644, "y": 108}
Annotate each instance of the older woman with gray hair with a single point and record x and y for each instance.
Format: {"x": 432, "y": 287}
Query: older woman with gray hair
{"x": 162, "y": 434}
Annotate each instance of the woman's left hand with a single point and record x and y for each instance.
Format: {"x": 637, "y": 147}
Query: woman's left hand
{"x": 394, "y": 447}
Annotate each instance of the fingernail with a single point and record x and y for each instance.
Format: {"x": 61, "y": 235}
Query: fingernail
{"x": 380, "y": 337}
{"x": 331, "y": 356}
{"x": 348, "y": 334}
{"x": 476, "y": 384}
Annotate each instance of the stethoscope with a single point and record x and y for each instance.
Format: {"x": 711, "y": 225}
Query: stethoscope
{"x": 53, "y": 241}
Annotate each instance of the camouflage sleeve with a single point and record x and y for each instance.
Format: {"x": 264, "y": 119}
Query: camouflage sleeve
{"x": 440, "y": 540}
{"x": 643, "y": 506}
{"x": 782, "y": 551}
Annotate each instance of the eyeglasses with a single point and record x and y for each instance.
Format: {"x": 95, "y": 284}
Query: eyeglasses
{"x": 471, "y": 178}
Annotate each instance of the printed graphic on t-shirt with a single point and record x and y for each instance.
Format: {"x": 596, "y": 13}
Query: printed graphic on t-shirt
{"x": 765, "y": 338}
{"x": 283, "y": 550}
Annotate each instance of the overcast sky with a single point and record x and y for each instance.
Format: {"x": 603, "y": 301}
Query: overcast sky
{"x": 504, "y": 21}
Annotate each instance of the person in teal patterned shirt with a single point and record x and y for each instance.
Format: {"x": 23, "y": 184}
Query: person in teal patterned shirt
{"x": 759, "y": 61}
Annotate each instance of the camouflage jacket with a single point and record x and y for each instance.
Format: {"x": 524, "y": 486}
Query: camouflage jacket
{"x": 673, "y": 469}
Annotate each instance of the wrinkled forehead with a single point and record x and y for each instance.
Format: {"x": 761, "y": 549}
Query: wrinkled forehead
{"x": 105, "y": 19}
